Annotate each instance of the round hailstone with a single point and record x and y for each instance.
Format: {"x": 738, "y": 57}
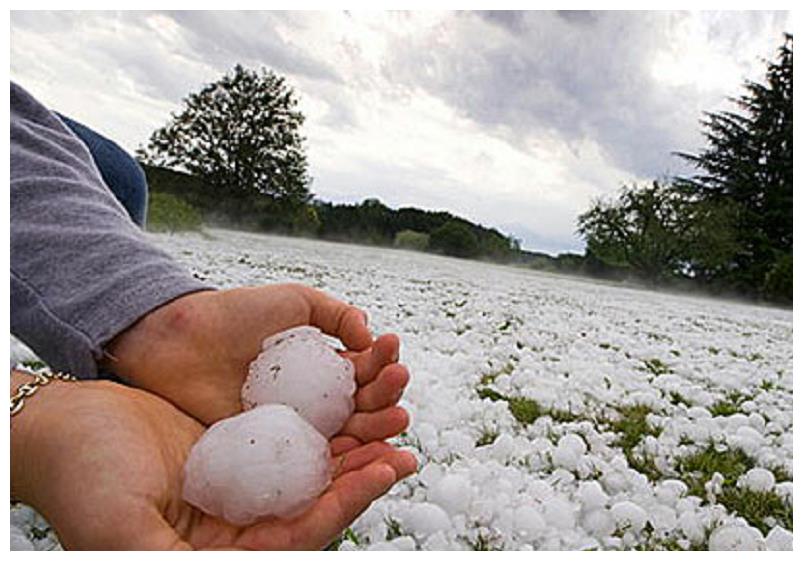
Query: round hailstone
{"x": 591, "y": 495}
{"x": 452, "y": 493}
{"x": 629, "y": 516}
{"x": 599, "y": 522}
{"x": 528, "y": 522}
{"x": 297, "y": 368}
{"x": 779, "y": 539}
{"x": 735, "y": 538}
{"x": 757, "y": 479}
{"x": 265, "y": 462}
{"x": 569, "y": 450}
{"x": 424, "y": 519}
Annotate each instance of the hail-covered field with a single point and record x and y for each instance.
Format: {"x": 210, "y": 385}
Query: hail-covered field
{"x": 550, "y": 412}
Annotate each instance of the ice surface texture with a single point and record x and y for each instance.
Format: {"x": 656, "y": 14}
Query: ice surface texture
{"x": 297, "y": 368}
{"x": 266, "y": 461}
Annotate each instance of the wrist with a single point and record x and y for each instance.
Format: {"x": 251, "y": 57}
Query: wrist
{"x": 31, "y": 430}
{"x": 170, "y": 325}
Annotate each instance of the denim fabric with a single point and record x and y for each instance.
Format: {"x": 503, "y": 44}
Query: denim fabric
{"x": 120, "y": 172}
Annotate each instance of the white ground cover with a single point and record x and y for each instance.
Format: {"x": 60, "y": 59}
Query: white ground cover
{"x": 548, "y": 412}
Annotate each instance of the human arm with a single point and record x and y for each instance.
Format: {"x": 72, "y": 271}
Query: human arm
{"x": 81, "y": 270}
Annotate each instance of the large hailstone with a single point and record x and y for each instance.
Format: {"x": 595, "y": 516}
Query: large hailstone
{"x": 264, "y": 462}
{"x": 297, "y": 368}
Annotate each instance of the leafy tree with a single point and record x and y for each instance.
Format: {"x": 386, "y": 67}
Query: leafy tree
{"x": 240, "y": 135}
{"x": 169, "y": 213}
{"x": 659, "y": 231}
{"x": 410, "y": 239}
{"x": 454, "y": 238}
{"x": 748, "y": 163}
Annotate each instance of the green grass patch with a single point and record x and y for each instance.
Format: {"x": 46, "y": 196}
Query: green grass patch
{"x": 487, "y": 437}
{"x": 492, "y": 376}
{"x": 676, "y": 398}
{"x": 168, "y": 213}
{"x": 697, "y": 469}
{"x": 347, "y": 535}
{"x": 656, "y": 366}
{"x": 524, "y": 410}
{"x": 489, "y": 393}
{"x": 394, "y": 528}
{"x": 728, "y": 406}
{"x": 632, "y": 426}
{"x": 757, "y": 506}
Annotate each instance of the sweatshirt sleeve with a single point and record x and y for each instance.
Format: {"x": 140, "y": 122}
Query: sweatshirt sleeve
{"x": 81, "y": 270}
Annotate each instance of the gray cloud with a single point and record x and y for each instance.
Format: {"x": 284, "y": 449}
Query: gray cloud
{"x": 224, "y": 38}
{"x": 579, "y": 75}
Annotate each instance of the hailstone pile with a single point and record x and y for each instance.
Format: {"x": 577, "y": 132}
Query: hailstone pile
{"x": 274, "y": 459}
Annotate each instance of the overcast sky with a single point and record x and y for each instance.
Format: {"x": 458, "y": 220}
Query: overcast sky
{"x": 516, "y": 120}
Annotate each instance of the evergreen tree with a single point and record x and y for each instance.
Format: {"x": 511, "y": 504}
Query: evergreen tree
{"x": 748, "y": 163}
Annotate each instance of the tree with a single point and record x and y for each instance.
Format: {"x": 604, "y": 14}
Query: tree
{"x": 454, "y": 238}
{"x": 748, "y": 163}
{"x": 410, "y": 239}
{"x": 659, "y": 231}
{"x": 240, "y": 135}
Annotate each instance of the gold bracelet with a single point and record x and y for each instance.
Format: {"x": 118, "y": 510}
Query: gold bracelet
{"x": 30, "y": 388}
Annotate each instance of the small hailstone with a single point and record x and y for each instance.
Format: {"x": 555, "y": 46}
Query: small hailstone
{"x": 591, "y": 495}
{"x": 266, "y": 461}
{"x": 424, "y": 519}
{"x": 404, "y": 543}
{"x": 662, "y": 517}
{"x": 629, "y": 516}
{"x": 735, "y": 538}
{"x": 669, "y": 491}
{"x": 559, "y": 512}
{"x": 757, "y": 479}
{"x": 748, "y": 439}
{"x": 452, "y": 493}
{"x": 528, "y": 522}
{"x": 297, "y": 368}
{"x": 19, "y": 540}
{"x": 779, "y": 539}
{"x": 785, "y": 489}
{"x": 691, "y": 526}
{"x": 599, "y": 522}
{"x": 570, "y": 448}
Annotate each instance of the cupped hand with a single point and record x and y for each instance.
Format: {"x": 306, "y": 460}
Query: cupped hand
{"x": 104, "y": 464}
{"x": 195, "y": 351}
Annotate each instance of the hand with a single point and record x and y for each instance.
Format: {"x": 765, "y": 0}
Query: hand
{"x": 195, "y": 352}
{"x": 103, "y": 463}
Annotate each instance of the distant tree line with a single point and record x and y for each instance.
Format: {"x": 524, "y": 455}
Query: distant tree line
{"x": 369, "y": 222}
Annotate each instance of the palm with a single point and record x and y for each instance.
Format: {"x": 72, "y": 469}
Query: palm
{"x": 125, "y": 485}
{"x": 196, "y": 354}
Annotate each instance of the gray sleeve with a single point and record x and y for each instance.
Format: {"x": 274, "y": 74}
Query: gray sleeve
{"x": 81, "y": 270}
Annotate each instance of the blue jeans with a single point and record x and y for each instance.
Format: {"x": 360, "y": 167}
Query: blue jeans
{"x": 121, "y": 173}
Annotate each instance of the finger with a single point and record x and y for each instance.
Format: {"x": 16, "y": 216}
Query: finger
{"x": 360, "y": 457}
{"x": 368, "y": 363}
{"x": 342, "y": 444}
{"x": 383, "y": 392}
{"x": 338, "y": 319}
{"x": 377, "y": 425}
{"x": 352, "y": 493}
